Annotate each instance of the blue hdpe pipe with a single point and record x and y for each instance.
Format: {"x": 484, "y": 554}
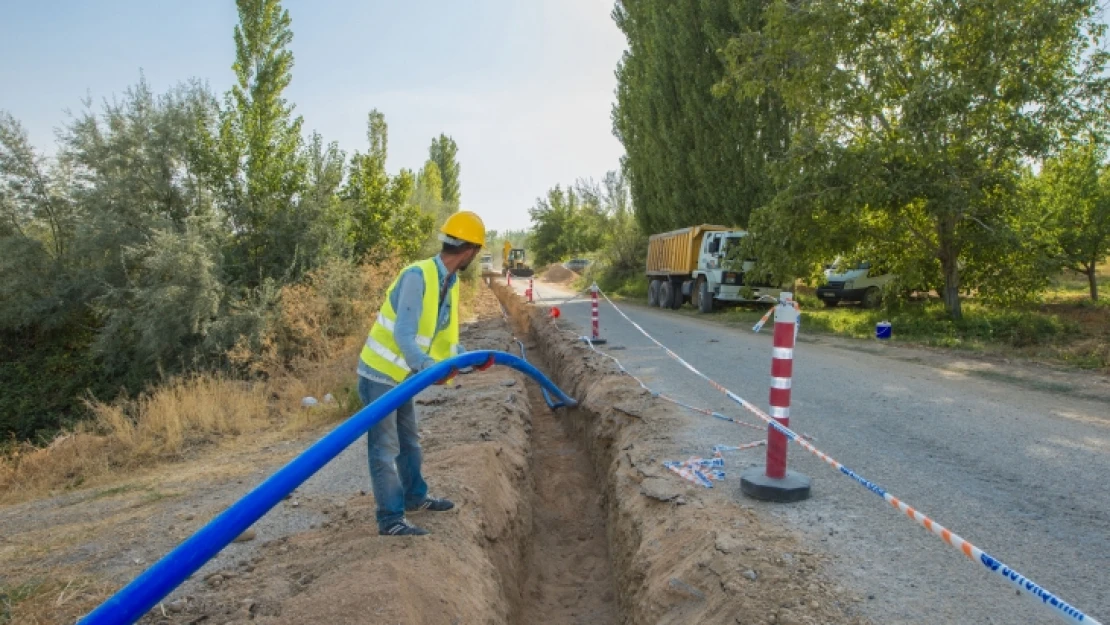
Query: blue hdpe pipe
{"x": 145, "y": 591}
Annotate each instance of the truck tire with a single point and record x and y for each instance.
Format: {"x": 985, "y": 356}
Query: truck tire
{"x": 872, "y": 297}
{"x": 666, "y": 294}
{"x": 677, "y": 298}
{"x": 653, "y": 293}
{"x": 704, "y": 297}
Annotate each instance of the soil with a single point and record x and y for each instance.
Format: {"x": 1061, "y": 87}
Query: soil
{"x": 570, "y": 579}
{"x": 562, "y": 516}
{"x": 558, "y": 274}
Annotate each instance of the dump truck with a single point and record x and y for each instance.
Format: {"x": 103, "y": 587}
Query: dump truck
{"x": 693, "y": 265}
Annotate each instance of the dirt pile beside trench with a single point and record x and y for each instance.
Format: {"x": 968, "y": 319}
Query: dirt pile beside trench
{"x": 558, "y": 274}
{"x": 681, "y": 554}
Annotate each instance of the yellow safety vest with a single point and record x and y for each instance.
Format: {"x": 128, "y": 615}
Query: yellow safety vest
{"x": 381, "y": 352}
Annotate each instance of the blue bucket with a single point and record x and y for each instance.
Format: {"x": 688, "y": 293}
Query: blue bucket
{"x": 882, "y": 330}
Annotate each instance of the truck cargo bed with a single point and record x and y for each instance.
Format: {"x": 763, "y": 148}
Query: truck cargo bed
{"x": 675, "y": 253}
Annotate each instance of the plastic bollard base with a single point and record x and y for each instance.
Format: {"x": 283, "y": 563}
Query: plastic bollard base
{"x": 794, "y": 487}
{"x": 594, "y": 340}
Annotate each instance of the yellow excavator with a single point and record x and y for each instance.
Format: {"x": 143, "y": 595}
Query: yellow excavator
{"x": 513, "y": 261}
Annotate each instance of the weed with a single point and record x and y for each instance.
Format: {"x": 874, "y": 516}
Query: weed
{"x": 38, "y": 600}
{"x": 12, "y": 596}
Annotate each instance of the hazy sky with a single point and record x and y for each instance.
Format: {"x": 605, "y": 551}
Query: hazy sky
{"x": 524, "y": 86}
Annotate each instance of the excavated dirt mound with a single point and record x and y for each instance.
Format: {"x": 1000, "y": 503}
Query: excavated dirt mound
{"x": 558, "y": 274}
{"x": 681, "y": 554}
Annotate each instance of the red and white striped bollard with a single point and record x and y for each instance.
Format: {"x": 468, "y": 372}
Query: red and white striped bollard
{"x": 775, "y": 482}
{"x": 528, "y": 291}
{"x": 595, "y": 316}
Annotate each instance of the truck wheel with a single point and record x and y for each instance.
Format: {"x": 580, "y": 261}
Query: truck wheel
{"x": 677, "y": 299}
{"x": 705, "y": 298}
{"x": 872, "y": 297}
{"x": 666, "y": 294}
{"x": 653, "y": 293}
{"x": 830, "y": 303}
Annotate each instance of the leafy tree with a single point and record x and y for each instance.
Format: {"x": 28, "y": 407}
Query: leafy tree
{"x": 588, "y": 219}
{"x": 327, "y": 222}
{"x": 383, "y": 220}
{"x": 427, "y": 195}
{"x": 564, "y": 224}
{"x": 920, "y": 112}
{"x": 171, "y": 233}
{"x": 252, "y": 152}
{"x": 691, "y": 157}
{"x": 1075, "y": 195}
{"x": 444, "y": 152}
{"x": 624, "y": 246}
{"x": 39, "y": 226}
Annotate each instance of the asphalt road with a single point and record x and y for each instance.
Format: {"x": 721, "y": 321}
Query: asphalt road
{"x": 1021, "y": 473}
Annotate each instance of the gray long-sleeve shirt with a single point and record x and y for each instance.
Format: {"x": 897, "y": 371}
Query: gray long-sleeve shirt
{"x": 408, "y": 302}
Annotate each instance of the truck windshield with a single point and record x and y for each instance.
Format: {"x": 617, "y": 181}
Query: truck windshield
{"x": 842, "y": 267}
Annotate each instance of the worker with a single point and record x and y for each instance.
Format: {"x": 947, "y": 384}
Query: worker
{"x": 418, "y": 326}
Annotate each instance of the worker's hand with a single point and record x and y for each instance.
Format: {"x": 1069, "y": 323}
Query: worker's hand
{"x": 450, "y": 376}
{"x": 486, "y": 365}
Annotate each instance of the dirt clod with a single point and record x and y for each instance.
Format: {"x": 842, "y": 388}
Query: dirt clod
{"x": 661, "y": 489}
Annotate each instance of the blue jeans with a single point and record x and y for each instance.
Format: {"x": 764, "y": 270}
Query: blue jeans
{"x": 393, "y": 441}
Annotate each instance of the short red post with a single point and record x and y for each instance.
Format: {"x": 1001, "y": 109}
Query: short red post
{"x": 508, "y": 279}
{"x": 528, "y": 291}
{"x": 782, "y": 372}
{"x": 595, "y": 316}
{"x": 776, "y": 483}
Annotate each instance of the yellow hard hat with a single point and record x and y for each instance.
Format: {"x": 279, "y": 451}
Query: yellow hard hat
{"x": 464, "y": 227}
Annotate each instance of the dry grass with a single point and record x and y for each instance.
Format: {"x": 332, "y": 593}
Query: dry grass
{"x": 309, "y": 351}
{"x": 59, "y": 599}
{"x": 158, "y": 426}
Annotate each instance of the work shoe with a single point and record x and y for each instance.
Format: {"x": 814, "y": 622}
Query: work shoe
{"x": 403, "y": 528}
{"x": 433, "y": 504}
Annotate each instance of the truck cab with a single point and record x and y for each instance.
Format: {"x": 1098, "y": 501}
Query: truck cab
{"x": 722, "y": 276}
{"x": 854, "y": 282}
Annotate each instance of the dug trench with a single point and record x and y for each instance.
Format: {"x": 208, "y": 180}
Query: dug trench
{"x": 563, "y": 516}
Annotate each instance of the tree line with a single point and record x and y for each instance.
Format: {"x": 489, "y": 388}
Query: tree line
{"x": 962, "y": 143}
{"x": 589, "y": 218}
{"x": 159, "y": 235}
